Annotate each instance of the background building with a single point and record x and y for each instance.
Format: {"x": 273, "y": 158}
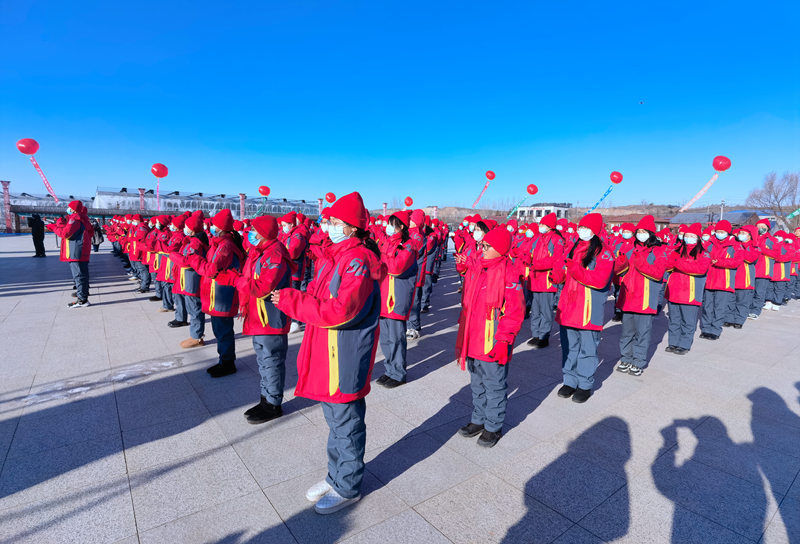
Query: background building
{"x": 526, "y": 214}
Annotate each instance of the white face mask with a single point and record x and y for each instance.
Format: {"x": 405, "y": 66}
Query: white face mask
{"x": 743, "y": 237}
{"x": 627, "y": 235}
{"x": 780, "y": 238}
{"x": 135, "y": 224}
{"x": 559, "y": 227}
{"x": 680, "y": 237}
{"x": 510, "y": 228}
{"x": 70, "y": 211}
{"x": 529, "y": 233}
{"x": 585, "y": 233}
{"x": 788, "y": 240}
{"x": 172, "y": 228}
{"x": 336, "y": 234}
{"x": 642, "y": 236}
{"x": 543, "y": 229}
{"x": 465, "y": 223}
{"x": 472, "y": 228}
{"x": 214, "y": 230}
{"x": 721, "y": 235}
{"x": 762, "y": 230}
{"x": 706, "y": 237}
{"x": 187, "y": 231}
{"x": 286, "y": 229}
{"x": 570, "y": 230}
{"x": 690, "y": 240}
{"x": 324, "y": 227}
{"x": 390, "y": 230}
{"x": 478, "y": 235}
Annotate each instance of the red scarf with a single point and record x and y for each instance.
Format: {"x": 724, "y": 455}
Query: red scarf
{"x": 491, "y": 272}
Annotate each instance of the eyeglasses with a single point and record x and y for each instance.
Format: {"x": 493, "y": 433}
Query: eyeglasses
{"x": 485, "y": 246}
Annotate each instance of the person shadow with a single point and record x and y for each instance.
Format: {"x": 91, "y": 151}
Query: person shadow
{"x": 563, "y": 483}
{"x": 720, "y": 482}
{"x": 776, "y": 427}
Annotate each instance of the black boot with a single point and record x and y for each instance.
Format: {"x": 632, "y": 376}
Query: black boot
{"x": 264, "y": 412}
{"x": 533, "y": 342}
{"x": 581, "y": 395}
{"x": 175, "y": 323}
{"x": 254, "y": 408}
{"x": 222, "y": 368}
{"x": 566, "y": 391}
{"x": 470, "y": 429}
{"x": 543, "y": 343}
{"x": 488, "y": 439}
{"x": 155, "y": 299}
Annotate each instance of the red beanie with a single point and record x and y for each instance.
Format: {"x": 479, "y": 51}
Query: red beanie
{"x": 326, "y": 212}
{"x": 489, "y": 223}
{"x": 513, "y": 223}
{"x": 179, "y": 222}
{"x": 694, "y": 228}
{"x": 288, "y": 218}
{"x": 404, "y": 216}
{"x": 350, "y": 209}
{"x": 764, "y": 222}
{"x": 238, "y": 225}
{"x": 300, "y": 218}
{"x": 592, "y": 221}
{"x": 647, "y": 223}
{"x": 549, "y": 220}
{"x": 136, "y": 217}
{"x": 194, "y": 223}
{"x": 266, "y": 226}
{"x": 628, "y": 226}
{"x": 724, "y": 224}
{"x": 76, "y": 206}
{"x": 476, "y": 218}
{"x": 223, "y": 220}
{"x": 418, "y": 217}
{"x": 500, "y": 239}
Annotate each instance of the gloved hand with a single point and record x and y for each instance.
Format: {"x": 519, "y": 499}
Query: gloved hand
{"x": 500, "y": 352}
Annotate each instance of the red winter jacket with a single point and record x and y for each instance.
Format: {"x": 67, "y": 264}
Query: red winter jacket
{"x": 268, "y": 267}
{"x": 187, "y": 279}
{"x": 483, "y": 326}
{"x": 746, "y": 273}
{"x": 765, "y": 264}
{"x": 76, "y": 238}
{"x": 726, "y": 257}
{"x": 167, "y": 270}
{"x": 137, "y": 248}
{"x": 296, "y": 242}
{"x": 399, "y": 284}
{"x": 583, "y": 297}
{"x": 340, "y": 308}
{"x": 688, "y": 278}
{"x": 219, "y": 269}
{"x": 546, "y": 262}
{"x": 783, "y": 261}
{"x": 641, "y": 279}
{"x": 419, "y": 244}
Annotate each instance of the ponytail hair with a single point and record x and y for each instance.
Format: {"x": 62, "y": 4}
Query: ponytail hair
{"x": 368, "y": 242}
{"x": 595, "y": 247}
{"x": 400, "y": 227}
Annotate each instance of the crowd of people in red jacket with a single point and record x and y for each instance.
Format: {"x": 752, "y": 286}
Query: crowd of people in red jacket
{"x": 350, "y": 281}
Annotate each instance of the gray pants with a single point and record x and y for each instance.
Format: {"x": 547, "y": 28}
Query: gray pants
{"x": 760, "y": 295}
{"x": 180, "y": 307}
{"x": 489, "y": 385}
{"x": 80, "y": 275}
{"x": 197, "y": 319}
{"x": 579, "y": 356}
{"x": 394, "y": 346}
{"x": 167, "y": 301}
{"x": 271, "y": 357}
{"x": 777, "y": 292}
{"x": 427, "y": 289}
{"x": 635, "y": 338}
{"x": 347, "y": 439}
{"x": 542, "y": 314}
{"x": 144, "y": 275}
{"x": 226, "y": 341}
{"x": 156, "y": 283}
{"x": 413, "y": 318}
{"x": 716, "y": 305}
{"x": 682, "y": 324}
{"x": 741, "y": 305}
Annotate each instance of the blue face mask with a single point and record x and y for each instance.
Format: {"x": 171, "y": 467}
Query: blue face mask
{"x": 336, "y": 234}
{"x": 213, "y": 230}
{"x": 251, "y": 237}
{"x": 187, "y": 231}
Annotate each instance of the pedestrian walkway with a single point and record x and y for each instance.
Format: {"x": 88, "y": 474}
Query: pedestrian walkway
{"x": 109, "y": 432}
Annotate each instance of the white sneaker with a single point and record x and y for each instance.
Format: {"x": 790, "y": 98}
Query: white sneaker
{"x": 767, "y": 306}
{"x": 413, "y": 334}
{"x": 752, "y": 316}
{"x": 775, "y": 307}
{"x": 317, "y": 491}
{"x": 79, "y": 304}
{"x": 333, "y": 502}
{"x": 294, "y": 327}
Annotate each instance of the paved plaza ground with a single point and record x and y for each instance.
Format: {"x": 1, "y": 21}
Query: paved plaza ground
{"x": 109, "y": 432}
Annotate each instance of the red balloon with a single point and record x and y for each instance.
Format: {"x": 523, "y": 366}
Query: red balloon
{"x": 720, "y": 163}
{"x": 409, "y": 201}
{"x": 532, "y": 189}
{"x": 159, "y": 170}
{"x": 490, "y": 175}
{"x": 263, "y": 190}
{"x": 616, "y": 177}
{"x": 29, "y": 146}
{"x": 330, "y": 197}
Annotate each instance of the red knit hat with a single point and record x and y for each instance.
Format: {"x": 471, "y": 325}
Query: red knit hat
{"x": 723, "y": 224}
{"x": 223, "y": 220}
{"x": 326, "y": 212}
{"x": 194, "y": 223}
{"x": 694, "y": 228}
{"x": 136, "y": 217}
{"x": 513, "y": 223}
{"x": 238, "y": 225}
{"x": 404, "y": 216}
{"x": 76, "y": 206}
{"x": 647, "y": 223}
{"x": 179, "y": 221}
{"x": 628, "y": 226}
{"x": 300, "y": 218}
{"x": 549, "y": 220}
{"x": 764, "y": 222}
{"x": 476, "y": 218}
{"x": 418, "y": 217}
{"x": 489, "y": 223}
{"x": 592, "y": 221}
{"x": 350, "y": 209}
{"x": 288, "y": 218}
{"x": 500, "y": 239}
{"x": 266, "y": 226}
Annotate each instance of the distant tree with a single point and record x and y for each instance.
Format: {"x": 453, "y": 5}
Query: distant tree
{"x": 780, "y": 196}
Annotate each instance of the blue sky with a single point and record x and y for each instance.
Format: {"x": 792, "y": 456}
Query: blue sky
{"x": 402, "y": 98}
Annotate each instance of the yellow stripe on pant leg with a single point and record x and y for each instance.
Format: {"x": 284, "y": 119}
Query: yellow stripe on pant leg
{"x": 333, "y": 361}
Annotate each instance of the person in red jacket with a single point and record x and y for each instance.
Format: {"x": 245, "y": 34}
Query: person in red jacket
{"x": 546, "y": 263}
{"x": 397, "y": 295}
{"x": 169, "y": 271}
{"x": 640, "y": 279}
{"x": 340, "y": 308}
{"x": 76, "y": 242}
{"x": 187, "y": 279}
{"x": 492, "y": 311}
{"x": 140, "y": 231}
{"x": 688, "y": 265}
{"x": 781, "y": 272}
{"x": 268, "y": 267}
{"x": 726, "y": 257}
{"x": 219, "y": 269}
{"x": 622, "y": 243}
{"x": 745, "y": 278}
{"x": 431, "y": 249}
{"x": 419, "y": 242}
{"x": 589, "y": 269}
{"x": 295, "y": 238}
